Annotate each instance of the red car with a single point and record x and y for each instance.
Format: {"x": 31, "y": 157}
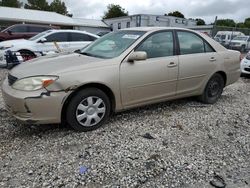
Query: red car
{"x": 23, "y": 31}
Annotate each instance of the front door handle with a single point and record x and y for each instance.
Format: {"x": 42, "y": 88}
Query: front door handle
{"x": 172, "y": 64}
{"x": 212, "y": 59}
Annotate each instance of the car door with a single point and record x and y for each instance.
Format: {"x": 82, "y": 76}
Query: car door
{"x": 152, "y": 79}
{"x": 79, "y": 40}
{"x": 60, "y": 38}
{"x": 197, "y": 60}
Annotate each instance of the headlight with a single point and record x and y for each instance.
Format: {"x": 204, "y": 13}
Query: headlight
{"x": 6, "y": 47}
{"x": 34, "y": 83}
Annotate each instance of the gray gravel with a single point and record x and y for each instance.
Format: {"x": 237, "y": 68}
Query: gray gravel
{"x": 180, "y": 143}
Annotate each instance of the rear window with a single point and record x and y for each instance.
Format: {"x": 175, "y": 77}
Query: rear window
{"x": 81, "y": 37}
{"x": 19, "y": 29}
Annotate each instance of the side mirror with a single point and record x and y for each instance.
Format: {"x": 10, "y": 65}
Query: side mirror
{"x": 9, "y": 32}
{"x": 42, "y": 40}
{"x": 137, "y": 56}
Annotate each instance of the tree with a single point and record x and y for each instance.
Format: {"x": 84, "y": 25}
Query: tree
{"x": 59, "y": 7}
{"x": 226, "y": 22}
{"x": 10, "y": 3}
{"x": 175, "y": 14}
{"x": 247, "y": 22}
{"x": 200, "y": 21}
{"x": 37, "y": 5}
{"x": 114, "y": 11}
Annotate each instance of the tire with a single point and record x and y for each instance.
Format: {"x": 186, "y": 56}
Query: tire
{"x": 88, "y": 110}
{"x": 27, "y": 55}
{"x": 213, "y": 90}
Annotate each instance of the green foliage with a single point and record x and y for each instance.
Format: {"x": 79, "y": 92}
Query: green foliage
{"x": 114, "y": 11}
{"x": 200, "y": 21}
{"x": 175, "y": 14}
{"x": 10, "y": 3}
{"x": 59, "y": 7}
{"x": 226, "y": 22}
{"x": 247, "y": 23}
{"x": 55, "y": 6}
{"x": 37, "y": 5}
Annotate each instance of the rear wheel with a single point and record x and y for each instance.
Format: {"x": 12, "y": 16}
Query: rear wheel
{"x": 213, "y": 90}
{"x": 88, "y": 110}
{"x": 27, "y": 55}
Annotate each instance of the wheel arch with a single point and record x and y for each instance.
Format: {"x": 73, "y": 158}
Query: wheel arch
{"x": 26, "y": 49}
{"x": 224, "y": 76}
{"x": 102, "y": 87}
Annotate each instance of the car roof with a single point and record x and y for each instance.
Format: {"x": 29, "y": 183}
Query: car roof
{"x": 154, "y": 28}
{"x": 72, "y": 31}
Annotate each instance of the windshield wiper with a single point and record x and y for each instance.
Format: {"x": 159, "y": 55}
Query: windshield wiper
{"x": 87, "y": 54}
{"x": 91, "y": 55}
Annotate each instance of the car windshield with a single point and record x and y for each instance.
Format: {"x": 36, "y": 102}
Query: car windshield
{"x": 112, "y": 45}
{"x": 241, "y": 38}
{"x": 39, "y": 35}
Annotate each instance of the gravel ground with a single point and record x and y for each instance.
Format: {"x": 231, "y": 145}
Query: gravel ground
{"x": 180, "y": 143}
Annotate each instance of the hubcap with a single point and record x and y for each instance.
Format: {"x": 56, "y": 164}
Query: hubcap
{"x": 90, "y": 111}
{"x": 213, "y": 89}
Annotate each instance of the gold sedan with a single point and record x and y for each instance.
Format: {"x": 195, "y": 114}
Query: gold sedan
{"x": 122, "y": 70}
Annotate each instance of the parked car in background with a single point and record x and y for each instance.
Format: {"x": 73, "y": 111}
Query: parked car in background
{"x": 227, "y": 36}
{"x": 245, "y": 65}
{"x": 241, "y": 43}
{"x": 23, "y": 31}
{"x": 66, "y": 40}
{"x": 119, "y": 71}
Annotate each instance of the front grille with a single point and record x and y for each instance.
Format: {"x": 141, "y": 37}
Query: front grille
{"x": 11, "y": 79}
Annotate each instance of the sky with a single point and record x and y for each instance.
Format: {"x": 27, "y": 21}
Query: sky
{"x": 205, "y": 9}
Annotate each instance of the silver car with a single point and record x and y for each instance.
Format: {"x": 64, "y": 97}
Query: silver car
{"x": 122, "y": 70}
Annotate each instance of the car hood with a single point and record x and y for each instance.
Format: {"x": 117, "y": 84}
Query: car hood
{"x": 55, "y": 64}
{"x": 14, "y": 42}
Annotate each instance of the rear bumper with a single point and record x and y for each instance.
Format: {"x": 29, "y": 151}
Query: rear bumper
{"x": 38, "y": 107}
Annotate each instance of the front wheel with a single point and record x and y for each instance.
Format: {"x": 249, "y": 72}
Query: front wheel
{"x": 213, "y": 90}
{"x": 88, "y": 110}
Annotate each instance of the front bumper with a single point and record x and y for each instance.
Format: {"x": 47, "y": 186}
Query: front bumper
{"x": 245, "y": 66}
{"x": 36, "y": 107}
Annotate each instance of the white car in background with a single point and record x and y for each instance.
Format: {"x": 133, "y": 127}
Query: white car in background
{"x": 245, "y": 65}
{"x": 42, "y": 43}
{"x": 241, "y": 43}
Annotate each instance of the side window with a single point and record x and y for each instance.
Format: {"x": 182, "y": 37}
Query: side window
{"x": 158, "y": 45}
{"x": 208, "y": 48}
{"x": 128, "y": 24}
{"x": 81, "y": 37}
{"x": 119, "y": 26}
{"x": 19, "y": 29}
{"x": 57, "y": 37}
{"x": 36, "y": 29}
{"x": 248, "y": 39}
{"x": 190, "y": 43}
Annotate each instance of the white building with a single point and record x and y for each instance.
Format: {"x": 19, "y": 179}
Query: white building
{"x": 10, "y": 16}
{"x": 147, "y": 20}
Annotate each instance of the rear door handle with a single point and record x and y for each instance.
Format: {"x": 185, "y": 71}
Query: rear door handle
{"x": 212, "y": 59}
{"x": 172, "y": 64}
